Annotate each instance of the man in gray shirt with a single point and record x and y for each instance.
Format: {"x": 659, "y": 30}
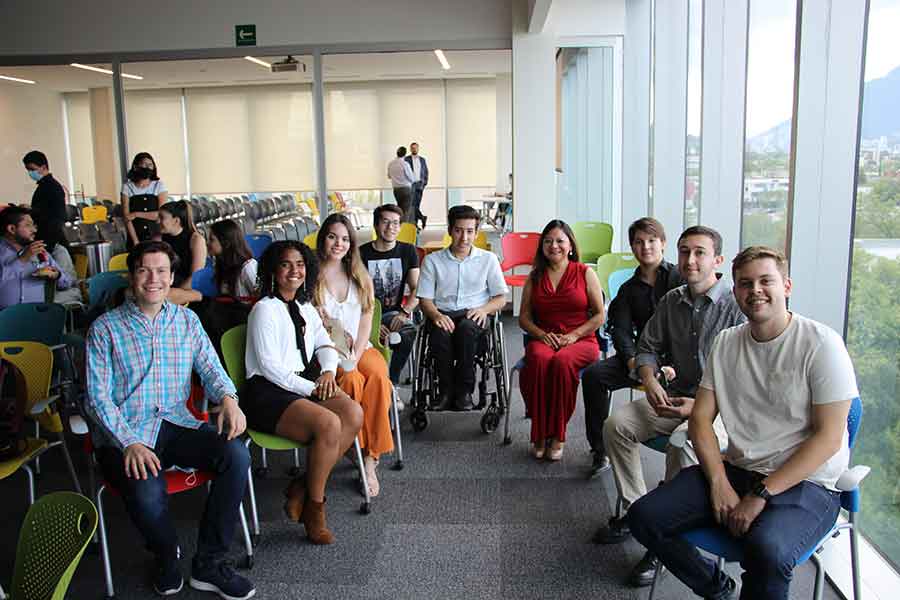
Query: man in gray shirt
{"x": 680, "y": 334}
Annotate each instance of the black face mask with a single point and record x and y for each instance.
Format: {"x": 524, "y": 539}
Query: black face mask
{"x": 142, "y": 173}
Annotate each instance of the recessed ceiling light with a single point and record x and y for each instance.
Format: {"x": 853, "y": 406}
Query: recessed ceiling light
{"x": 261, "y": 63}
{"x": 16, "y": 79}
{"x": 440, "y": 56}
{"x": 104, "y": 71}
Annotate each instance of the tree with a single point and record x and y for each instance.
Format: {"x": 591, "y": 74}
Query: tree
{"x": 878, "y": 211}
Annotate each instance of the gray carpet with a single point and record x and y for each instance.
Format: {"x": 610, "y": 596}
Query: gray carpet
{"x": 467, "y": 518}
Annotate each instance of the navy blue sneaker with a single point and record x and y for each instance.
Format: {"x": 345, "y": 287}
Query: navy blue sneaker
{"x": 168, "y": 578}
{"x": 222, "y": 579}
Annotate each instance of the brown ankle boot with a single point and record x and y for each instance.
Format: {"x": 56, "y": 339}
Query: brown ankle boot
{"x": 295, "y": 493}
{"x": 313, "y": 518}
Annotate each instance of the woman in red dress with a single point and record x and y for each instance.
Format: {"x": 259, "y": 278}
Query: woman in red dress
{"x": 562, "y": 308}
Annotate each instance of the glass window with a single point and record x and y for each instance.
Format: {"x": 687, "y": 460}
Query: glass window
{"x": 873, "y": 326}
{"x": 694, "y": 113}
{"x": 771, "y": 47}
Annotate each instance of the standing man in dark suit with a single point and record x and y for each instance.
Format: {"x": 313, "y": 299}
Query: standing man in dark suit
{"x": 420, "y": 180}
{"x": 48, "y": 203}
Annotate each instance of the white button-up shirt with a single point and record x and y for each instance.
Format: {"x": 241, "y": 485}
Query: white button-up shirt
{"x": 454, "y": 284}
{"x": 416, "y": 168}
{"x": 399, "y": 173}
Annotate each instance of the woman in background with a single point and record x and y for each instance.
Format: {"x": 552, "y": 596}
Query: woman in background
{"x": 345, "y": 296}
{"x": 562, "y": 308}
{"x": 178, "y": 231}
{"x": 141, "y": 197}
{"x": 233, "y": 262}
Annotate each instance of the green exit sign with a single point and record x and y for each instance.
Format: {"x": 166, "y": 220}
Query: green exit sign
{"x": 245, "y": 35}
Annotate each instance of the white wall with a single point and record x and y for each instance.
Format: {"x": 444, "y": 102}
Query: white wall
{"x": 534, "y": 98}
{"x": 64, "y": 27}
{"x": 30, "y": 119}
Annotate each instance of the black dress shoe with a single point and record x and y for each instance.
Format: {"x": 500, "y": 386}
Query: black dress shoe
{"x": 464, "y": 401}
{"x": 599, "y": 464}
{"x": 443, "y": 402}
{"x": 642, "y": 573}
{"x": 615, "y": 532}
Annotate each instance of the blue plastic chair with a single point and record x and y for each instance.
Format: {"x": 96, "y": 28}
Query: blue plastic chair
{"x": 33, "y": 322}
{"x": 204, "y": 281}
{"x": 258, "y": 243}
{"x": 103, "y": 285}
{"x": 717, "y": 540}
{"x": 616, "y": 279}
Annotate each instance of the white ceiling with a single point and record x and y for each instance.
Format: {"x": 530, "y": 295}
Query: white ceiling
{"x": 237, "y": 71}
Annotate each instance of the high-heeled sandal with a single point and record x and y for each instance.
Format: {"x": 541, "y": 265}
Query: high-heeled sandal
{"x": 556, "y": 451}
{"x": 538, "y": 450}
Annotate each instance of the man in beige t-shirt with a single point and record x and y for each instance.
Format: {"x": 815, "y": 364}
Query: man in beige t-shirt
{"x": 783, "y": 385}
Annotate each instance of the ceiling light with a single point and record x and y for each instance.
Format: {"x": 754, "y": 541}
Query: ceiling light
{"x": 104, "y": 71}
{"x": 440, "y": 56}
{"x": 261, "y": 63}
{"x": 16, "y": 79}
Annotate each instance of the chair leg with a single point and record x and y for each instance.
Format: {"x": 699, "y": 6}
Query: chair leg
{"x": 509, "y": 387}
{"x": 362, "y": 474}
{"x": 820, "y": 578}
{"x": 104, "y": 544}
{"x": 37, "y": 461}
{"x": 297, "y": 459}
{"x": 30, "y": 475}
{"x": 398, "y": 464}
{"x": 69, "y": 464}
{"x": 248, "y": 544}
{"x": 854, "y": 558}
{"x": 253, "y": 511}
{"x": 265, "y": 462}
{"x": 656, "y": 574}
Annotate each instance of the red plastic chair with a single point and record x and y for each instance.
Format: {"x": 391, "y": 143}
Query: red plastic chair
{"x": 177, "y": 481}
{"x": 519, "y": 248}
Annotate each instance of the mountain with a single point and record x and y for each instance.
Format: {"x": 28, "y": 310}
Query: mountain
{"x": 880, "y": 117}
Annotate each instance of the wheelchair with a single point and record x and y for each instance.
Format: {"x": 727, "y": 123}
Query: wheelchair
{"x": 490, "y": 358}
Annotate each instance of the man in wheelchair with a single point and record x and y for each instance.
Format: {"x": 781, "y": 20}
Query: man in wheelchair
{"x": 459, "y": 287}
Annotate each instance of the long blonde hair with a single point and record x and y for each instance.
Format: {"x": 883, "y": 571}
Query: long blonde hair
{"x": 351, "y": 263}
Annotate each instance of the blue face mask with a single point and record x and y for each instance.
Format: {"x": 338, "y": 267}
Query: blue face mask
{"x": 36, "y": 175}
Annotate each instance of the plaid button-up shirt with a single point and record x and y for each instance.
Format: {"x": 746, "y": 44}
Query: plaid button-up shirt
{"x": 139, "y": 373}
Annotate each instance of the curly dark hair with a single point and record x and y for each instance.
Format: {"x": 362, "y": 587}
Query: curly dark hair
{"x": 268, "y": 264}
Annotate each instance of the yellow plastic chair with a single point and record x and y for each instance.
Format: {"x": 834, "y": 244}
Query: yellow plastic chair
{"x": 608, "y": 263}
{"x": 310, "y": 240}
{"x": 119, "y": 262}
{"x": 480, "y": 241}
{"x": 313, "y": 207}
{"x": 408, "y": 234}
{"x": 80, "y": 261}
{"x": 93, "y": 214}
{"x": 34, "y": 361}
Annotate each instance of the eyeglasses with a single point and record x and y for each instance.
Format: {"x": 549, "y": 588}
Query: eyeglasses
{"x": 390, "y": 223}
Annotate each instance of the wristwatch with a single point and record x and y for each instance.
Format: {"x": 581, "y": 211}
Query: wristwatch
{"x": 760, "y": 490}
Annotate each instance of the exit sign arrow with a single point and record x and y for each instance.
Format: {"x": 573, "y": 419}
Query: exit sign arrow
{"x": 245, "y": 35}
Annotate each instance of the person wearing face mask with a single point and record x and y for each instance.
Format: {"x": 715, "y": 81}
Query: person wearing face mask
{"x": 26, "y": 266}
{"x": 141, "y": 197}
{"x": 48, "y": 203}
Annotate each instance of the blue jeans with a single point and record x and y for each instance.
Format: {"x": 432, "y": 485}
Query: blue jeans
{"x": 146, "y": 500}
{"x": 400, "y": 352}
{"x": 790, "y": 524}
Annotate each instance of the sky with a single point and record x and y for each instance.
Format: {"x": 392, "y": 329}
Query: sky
{"x": 770, "y": 71}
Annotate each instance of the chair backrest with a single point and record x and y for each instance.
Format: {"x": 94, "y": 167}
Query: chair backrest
{"x": 310, "y": 240}
{"x": 594, "y": 239}
{"x": 102, "y": 285}
{"x": 234, "y": 343}
{"x": 35, "y": 362}
{"x": 88, "y": 232}
{"x": 93, "y": 214}
{"x": 408, "y": 233}
{"x": 480, "y": 241}
{"x": 204, "y": 281}
{"x": 119, "y": 262}
{"x": 54, "y": 534}
{"x": 616, "y": 279}
{"x": 258, "y": 243}
{"x": 375, "y": 334}
{"x": 519, "y": 248}
{"x": 33, "y": 322}
{"x": 613, "y": 261}
{"x": 81, "y": 263}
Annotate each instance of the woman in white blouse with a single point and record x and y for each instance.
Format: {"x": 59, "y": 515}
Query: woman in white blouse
{"x": 345, "y": 296}
{"x": 287, "y": 393}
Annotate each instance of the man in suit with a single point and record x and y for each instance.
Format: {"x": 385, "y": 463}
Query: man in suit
{"x": 420, "y": 180}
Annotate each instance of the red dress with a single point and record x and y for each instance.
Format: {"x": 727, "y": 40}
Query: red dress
{"x": 549, "y": 381}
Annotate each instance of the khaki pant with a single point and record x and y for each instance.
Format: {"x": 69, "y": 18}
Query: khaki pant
{"x": 636, "y": 422}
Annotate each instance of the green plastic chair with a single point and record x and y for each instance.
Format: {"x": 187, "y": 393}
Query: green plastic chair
{"x": 375, "y": 340}
{"x": 56, "y": 531}
{"x": 594, "y": 239}
{"x": 234, "y": 343}
{"x": 609, "y": 263}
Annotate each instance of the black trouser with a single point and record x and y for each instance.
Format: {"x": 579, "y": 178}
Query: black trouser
{"x": 147, "y": 502}
{"x": 417, "y": 190}
{"x": 597, "y": 383}
{"x": 403, "y": 196}
{"x": 454, "y": 353}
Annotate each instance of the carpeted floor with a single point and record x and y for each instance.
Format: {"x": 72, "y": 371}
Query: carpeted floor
{"x": 466, "y": 518}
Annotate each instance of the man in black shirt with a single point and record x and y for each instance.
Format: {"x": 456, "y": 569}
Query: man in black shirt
{"x": 48, "y": 204}
{"x": 628, "y": 313}
{"x": 393, "y": 265}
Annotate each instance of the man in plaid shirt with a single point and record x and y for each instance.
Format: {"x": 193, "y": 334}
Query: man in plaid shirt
{"x": 140, "y": 357}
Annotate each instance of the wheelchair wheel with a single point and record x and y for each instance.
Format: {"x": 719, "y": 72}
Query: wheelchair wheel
{"x": 490, "y": 420}
{"x": 419, "y": 420}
